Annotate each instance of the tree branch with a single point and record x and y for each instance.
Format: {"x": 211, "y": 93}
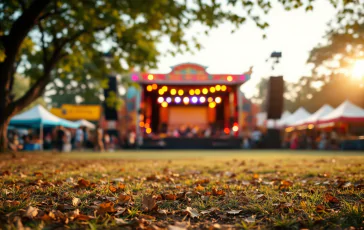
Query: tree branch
{"x": 45, "y": 52}
{"x": 17, "y": 34}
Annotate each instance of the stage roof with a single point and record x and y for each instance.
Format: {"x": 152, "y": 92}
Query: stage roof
{"x": 191, "y": 74}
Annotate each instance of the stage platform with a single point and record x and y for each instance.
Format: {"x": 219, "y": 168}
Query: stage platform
{"x": 192, "y": 143}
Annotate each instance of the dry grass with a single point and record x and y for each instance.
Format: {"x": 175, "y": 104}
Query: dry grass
{"x": 185, "y": 189}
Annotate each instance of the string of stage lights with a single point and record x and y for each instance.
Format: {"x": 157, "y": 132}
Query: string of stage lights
{"x": 164, "y": 101}
{"x": 164, "y": 89}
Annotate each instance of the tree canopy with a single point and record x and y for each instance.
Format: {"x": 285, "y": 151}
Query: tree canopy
{"x": 47, "y": 39}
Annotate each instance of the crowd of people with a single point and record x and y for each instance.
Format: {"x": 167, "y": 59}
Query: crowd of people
{"x": 62, "y": 139}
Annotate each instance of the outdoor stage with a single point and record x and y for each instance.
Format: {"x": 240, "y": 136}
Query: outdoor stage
{"x": 189, "y": 108}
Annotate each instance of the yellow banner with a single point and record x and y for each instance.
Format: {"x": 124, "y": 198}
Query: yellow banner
{"x": 78, "y": 112}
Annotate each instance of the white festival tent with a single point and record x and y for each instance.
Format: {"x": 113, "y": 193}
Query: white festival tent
{"x": 85, "y": 123}
{"x": 278, "y": 123}
{"x": 262, "y": 119}
{"x": 346, "y": 112}
{"x": 39, "y": 117}
{"x": 314, "y": 118}
{"x": 299, "y": 114}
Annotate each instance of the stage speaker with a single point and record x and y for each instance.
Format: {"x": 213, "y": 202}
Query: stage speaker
{"x": 275, "y": 97}
{"x": 273, "y": 139}
{"x": 109, "y": 111}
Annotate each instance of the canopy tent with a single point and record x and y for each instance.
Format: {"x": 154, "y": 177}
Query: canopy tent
{"x": 38, "y": 116}
{"x": 313, "y": 119}
{"x": 272, "y": 123}
{"x": 85, "y": 123}
{"x": 346, "y": 112}
{"x": 299, "y": 114}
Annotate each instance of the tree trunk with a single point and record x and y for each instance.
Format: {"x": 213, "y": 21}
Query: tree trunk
{"x": 3, "y": 135}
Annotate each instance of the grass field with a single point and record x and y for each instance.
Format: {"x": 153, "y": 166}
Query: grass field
{"x": 183, "y": 190}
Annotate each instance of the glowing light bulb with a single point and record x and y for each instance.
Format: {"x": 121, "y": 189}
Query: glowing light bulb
{"x": 205, "y": 91}
{"x": 229, "y": 78}
{"x": 149, "y": 88}
{"x": 212, "y": 89}
{"x": 223, "y": 88}
{"x": 192, "y": 92}
{"x": 164, "y": 104}
{"x": 197, "y": 91}
{"x": 218, "y": 100}
{"x": 180, "y": 92}
{"x": 210, "y": 99}
{"x": 168, "y": 100}
{"x": 154, "y": 86}
{"x": 235, "y": 128}
{"x": 161, "y": 91}
{"x": 212, "y": 105}
{"x": 218, "y": 87}
{"x": 202, "y": 99}
{"x": 165, "y": 88}
{"x": 194, "y": 99}
{"x": 148, "y": 130}
{"x": 160, "y": 99}
{"x": 173, "y": 91}
{"x": 186, "y": 100}
{"x": 177, "y": 100}
{"x": 150, "y": 77}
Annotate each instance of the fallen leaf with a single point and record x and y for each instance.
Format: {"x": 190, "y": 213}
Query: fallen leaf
{"x": 202, "y": 181}
{"x": 285, "y": 184}
{"x": 216, "y": 192}
{"x": 82, "y": 183}
{"x": 250, "y": 219}
{"x": 120, "y": 221}
{"x": 330, "y": 198}
{"x": 38, "y": 174}
{"x": 31, "y": 212}
{"x": 170, "y": 197}
{"x": 76, "y": 201}
{"x": 6, "y": 173}
{"x": 112, "y": 188}
{"x": 234, "y": 212}
{"x": 192, "y": 212}
{"x": 123, "y": 199}
{"x": 261, "y": 197}
{"x": 106, "y": 207}
{"x": 149, "y": 203}
{"x": 82, "y": 217}
{"x": 320, "y": 208}
{"x": 199, "y": 188}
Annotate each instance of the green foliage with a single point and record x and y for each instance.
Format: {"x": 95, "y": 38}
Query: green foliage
{"x": 21, "y": 85}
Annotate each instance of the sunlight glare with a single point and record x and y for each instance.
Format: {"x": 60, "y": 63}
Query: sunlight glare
{"x": 358, "y": 69}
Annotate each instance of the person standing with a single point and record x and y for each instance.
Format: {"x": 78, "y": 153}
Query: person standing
{"x": 60, "y": 136}
{"x": 79, "y": 138}
{"x": 99, "y": 145}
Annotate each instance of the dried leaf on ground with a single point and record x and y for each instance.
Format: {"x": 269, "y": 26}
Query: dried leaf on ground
{"x": 234, "y": 212}
{"x": 170, "y": 197}
{"x": 31, "y": 212}
{"x": 330, "y": 198}
{"x": 82, "y": 183}
{"x": 76, "y": 201}
{"x": 149, "y": 203}
{"x": 124, "y": 199}
{"x": 106, "y": 207}
{"x": 192, "y": 212}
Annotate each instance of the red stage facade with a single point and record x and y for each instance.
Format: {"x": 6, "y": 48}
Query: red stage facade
{"x": 189, "y": 96}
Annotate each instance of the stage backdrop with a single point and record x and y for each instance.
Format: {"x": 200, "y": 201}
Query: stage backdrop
{"x": 185, "y": 115}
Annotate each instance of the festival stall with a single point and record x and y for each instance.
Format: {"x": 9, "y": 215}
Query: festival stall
{"x": 298, "y": 115}
{"x": 346, "y": 112}
{"x": 312, "y": 120}
{"x": 38, "y": 118}
{"x": 85, "y": 123}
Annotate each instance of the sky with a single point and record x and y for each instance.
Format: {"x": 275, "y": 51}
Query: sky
{"x": 293, "y": 33}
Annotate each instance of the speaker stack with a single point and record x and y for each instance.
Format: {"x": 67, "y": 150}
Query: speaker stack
{"x": 110, "y": 111}
{"x": 274, "y": 110}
